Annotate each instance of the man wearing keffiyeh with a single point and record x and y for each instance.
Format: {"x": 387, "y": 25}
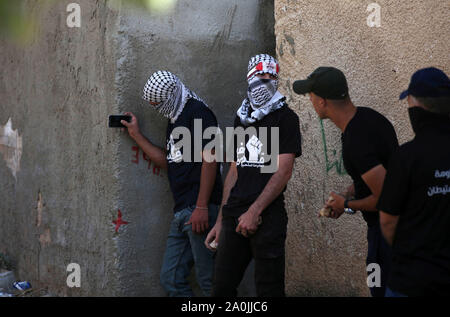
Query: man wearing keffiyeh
{"x": 196, "y": 186}
{"x": 252, "y": 221}
{"x": 263, "y": 95}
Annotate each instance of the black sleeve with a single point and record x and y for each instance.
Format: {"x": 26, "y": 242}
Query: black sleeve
{"x": 396, "y": 186}
{"x": 208, "y": 119}
{"x": 364, "y": 155}
{"x": 290, "y": 136}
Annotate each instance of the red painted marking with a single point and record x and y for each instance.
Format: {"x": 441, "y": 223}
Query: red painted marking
{"x": 118, "y": 222}
{"x": 136, "y": 149}
{"x": 146, "y": 158}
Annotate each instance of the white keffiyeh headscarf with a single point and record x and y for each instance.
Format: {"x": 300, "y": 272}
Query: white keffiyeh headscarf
{"x": 263, "y": 95}
{"x": 171, "y": 94}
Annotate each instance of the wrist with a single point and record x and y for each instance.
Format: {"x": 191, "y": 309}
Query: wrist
{"x": 347, "y": 208}
{"x": 136, "y": 135}
{"x": 346, "y": 203}
{"x": 255, "y": 210}
{"x": 218, "y": 220}
{"x": 201, "y": 205}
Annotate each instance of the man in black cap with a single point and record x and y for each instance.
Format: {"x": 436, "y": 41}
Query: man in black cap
{"x": 415, "y": 202}
{"x": 368, "y": 140}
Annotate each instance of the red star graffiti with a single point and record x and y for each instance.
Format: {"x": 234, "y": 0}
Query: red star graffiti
{"x": 118, "y": 222}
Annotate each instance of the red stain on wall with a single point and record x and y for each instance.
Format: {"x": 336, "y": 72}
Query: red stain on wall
{"x": 136, "y": 156}
{"x": 118, "y": 222}
{"x": 146, "y": 158}
{"x": 136, "y": 151}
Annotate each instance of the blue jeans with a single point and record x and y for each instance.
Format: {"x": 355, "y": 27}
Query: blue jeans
{"x": 184, "y": 250}
{"x": 391, "y": 293}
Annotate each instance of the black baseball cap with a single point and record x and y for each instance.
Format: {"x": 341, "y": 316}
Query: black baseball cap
{"x": 326, "y": 82}
{"x": 428, "y": 82}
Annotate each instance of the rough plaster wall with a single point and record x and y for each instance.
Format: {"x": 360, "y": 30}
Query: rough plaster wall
{"x": 74, "y": 173}
{"x": 58, "y": 91}
{"x": 208, "y": 47}
{"x": 327, "y": 257}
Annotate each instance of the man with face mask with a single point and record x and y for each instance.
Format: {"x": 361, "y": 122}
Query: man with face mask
{"x": 252, "y": 222}
{"x": 415, "y": 202}
{"x": 368, "y": 141}
{"x": 196, "y": 186}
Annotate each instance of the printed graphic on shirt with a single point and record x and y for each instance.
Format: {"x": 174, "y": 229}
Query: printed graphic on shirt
{"x": 255, "y": 156}
{"x": 173, "y": 153}
{"x": 442, "y": 174}
{"x": 443, "y": 190}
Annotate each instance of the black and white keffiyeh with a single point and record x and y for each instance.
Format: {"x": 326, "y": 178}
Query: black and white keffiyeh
{"x": 171, "y": 94}
{"x": 260, "y": 91}
{"x": 263, "y": 96}
{"x": 261, "y": 64}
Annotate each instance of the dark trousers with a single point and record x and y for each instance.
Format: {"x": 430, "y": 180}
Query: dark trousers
{"x": 391, "y": 293}
{"x": 266, "y": 247}
{"x": 378, "y": 252}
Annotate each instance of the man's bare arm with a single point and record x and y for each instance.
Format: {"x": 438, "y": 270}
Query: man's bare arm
{"x": 249, "y": 221}
{"x": 388, "y": 225}
{"x": 156, "y": 154}
{"x": 374, "y": 179}
{"x": 276, "y": 183}
{"x": 207, "y": 179}
{"x": 199, "y": 217}
{"x": 229, "y": 183}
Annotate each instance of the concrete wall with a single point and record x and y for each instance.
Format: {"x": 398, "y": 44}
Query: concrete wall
{"x": 57, "y": 209}
{"x": 327, "y": 257}
{"x": 64, "y": 175}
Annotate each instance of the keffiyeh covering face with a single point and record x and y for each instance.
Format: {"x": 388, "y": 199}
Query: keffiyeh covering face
{"x": 263, "y": 96}
{"x": 171, "y": 94}
{"x": 260, "y": 91}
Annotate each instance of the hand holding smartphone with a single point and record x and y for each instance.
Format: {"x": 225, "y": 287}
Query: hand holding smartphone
{"x": 114, "y": 121}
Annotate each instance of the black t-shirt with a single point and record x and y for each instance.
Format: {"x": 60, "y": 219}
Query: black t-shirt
{"x": 368, "y": 140}
{"x": 250, "y": 156}
{"x": 417, "y": 189}
{"x": 184, "y": 177}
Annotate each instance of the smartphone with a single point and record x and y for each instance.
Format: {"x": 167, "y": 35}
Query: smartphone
{"x": 114, "y": 121}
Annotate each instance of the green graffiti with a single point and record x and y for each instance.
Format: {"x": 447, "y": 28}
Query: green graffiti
{"x": 338, "y": 164}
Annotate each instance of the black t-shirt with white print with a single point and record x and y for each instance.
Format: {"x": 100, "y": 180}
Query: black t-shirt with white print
{"x": 256, "y": 151}
{"x": 184, "y": 177}
{"x": 417, "y": 189}
{"x": 368, "y": 140}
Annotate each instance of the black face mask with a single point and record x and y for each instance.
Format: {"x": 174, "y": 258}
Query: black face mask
{"x": 420, "y": 118}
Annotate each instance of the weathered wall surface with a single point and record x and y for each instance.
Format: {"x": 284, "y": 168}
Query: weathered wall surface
{"x": 208, "y": 47}
{"x": 58, "y": 207}
{"x": 327, "y": 257}
{"x": 64, "y": 175}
